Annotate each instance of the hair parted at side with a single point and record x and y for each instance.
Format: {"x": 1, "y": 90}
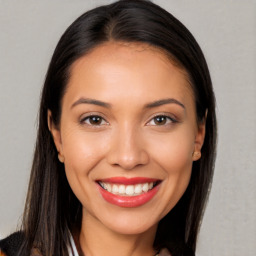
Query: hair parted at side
{"x": 51, "y": 209}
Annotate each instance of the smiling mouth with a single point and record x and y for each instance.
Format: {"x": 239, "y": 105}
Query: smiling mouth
{"x": 128, "y": 190}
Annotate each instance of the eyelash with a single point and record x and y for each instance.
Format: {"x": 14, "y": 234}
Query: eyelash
{"x": 98, "y": 117}
{"x": 89, "y": 118}
{"x": 166, "y": 118}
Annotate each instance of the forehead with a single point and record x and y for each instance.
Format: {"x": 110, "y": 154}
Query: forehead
{"x": 128, "y": 52}
{"x": 118, "y": 67}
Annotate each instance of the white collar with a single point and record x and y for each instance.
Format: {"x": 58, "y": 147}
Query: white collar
{"x": 72, "y": 251}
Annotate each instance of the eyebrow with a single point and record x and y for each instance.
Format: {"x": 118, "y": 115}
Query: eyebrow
{"x": 108, "y": 105}
{"x": 91, "y": 101}
{"x": 163, "y": 102}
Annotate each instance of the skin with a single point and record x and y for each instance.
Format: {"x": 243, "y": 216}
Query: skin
{"x": 127, "y": 141}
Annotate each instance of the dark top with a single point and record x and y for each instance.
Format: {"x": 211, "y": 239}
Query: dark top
{"x": 10, "y": 247}
{"x": 11, "y": 244}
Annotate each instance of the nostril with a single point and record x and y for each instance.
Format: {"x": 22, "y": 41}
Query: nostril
{"x": 129, "y": 163}
{"x": 127, "y": 152}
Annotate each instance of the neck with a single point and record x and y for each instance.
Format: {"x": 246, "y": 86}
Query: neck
{"x": 95, "y": 239}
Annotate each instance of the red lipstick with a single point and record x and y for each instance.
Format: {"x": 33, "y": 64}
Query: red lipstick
{"x": 126, "y": 200}
{"x": 129, "y": 181}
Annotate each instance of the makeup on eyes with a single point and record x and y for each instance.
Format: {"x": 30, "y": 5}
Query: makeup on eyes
{"x": 159, "y": 119}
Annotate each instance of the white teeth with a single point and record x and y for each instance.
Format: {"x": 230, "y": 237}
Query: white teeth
{"x": 105, "y": 186}
{"x": 121, "y": 189}
{"x": 145, "y": 187}
{"x": 108, "y": 187}
{"x": 138, "y": 189}
{"x": 115, "y": 189}
{"x": 127, "y": 190}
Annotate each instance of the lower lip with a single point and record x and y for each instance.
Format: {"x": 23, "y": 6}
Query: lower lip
{"x": 128, "y": 201}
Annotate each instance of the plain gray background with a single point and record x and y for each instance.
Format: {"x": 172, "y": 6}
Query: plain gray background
{"x": 226, "y": 31}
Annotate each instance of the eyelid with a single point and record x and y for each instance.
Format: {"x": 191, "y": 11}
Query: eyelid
{"x": 167, "y": 115}
{"x": 92, "y": 114}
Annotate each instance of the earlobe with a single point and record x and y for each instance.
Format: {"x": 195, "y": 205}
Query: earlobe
{"x": 196, "y": 155}
{"x": 56, "y": 135}
{"x": 199, "y": 140}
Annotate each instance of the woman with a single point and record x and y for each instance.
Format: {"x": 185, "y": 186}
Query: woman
{"x": 126, "y": 139}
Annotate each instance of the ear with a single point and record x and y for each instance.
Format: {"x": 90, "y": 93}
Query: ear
{"x": 56, "y": 135}
{"x": 199, "y": 139}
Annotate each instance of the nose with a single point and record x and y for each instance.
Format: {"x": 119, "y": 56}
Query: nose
{"x": 127, "y": 150}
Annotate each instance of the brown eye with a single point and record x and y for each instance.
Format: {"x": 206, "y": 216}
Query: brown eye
{"x": 161, "y": 120}
{"x": 94, "y": 120}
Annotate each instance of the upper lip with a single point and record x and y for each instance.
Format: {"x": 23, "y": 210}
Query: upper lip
{"x": 128, "y": 181}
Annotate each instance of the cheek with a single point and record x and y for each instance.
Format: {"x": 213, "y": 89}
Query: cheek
{"x": 82, "y": 151}
{"x": 174, "y": 151}
{"x": 174, "y": 155}
{"x": 176, "y": 161}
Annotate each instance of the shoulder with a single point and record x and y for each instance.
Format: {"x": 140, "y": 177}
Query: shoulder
{"x": 11, "y": 244}
{"x": 176, "y": 250}
{"x": 164, "y": 252}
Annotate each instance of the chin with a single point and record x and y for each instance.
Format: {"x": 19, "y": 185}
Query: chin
{"x": 129, "y": 222}
{"x": 132, "y": 229}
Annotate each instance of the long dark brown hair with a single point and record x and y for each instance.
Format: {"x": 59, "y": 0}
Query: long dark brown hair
{"x": 51, "y": 208}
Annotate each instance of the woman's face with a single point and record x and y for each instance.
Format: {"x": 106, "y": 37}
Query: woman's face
{"x": 127, "y": 135}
